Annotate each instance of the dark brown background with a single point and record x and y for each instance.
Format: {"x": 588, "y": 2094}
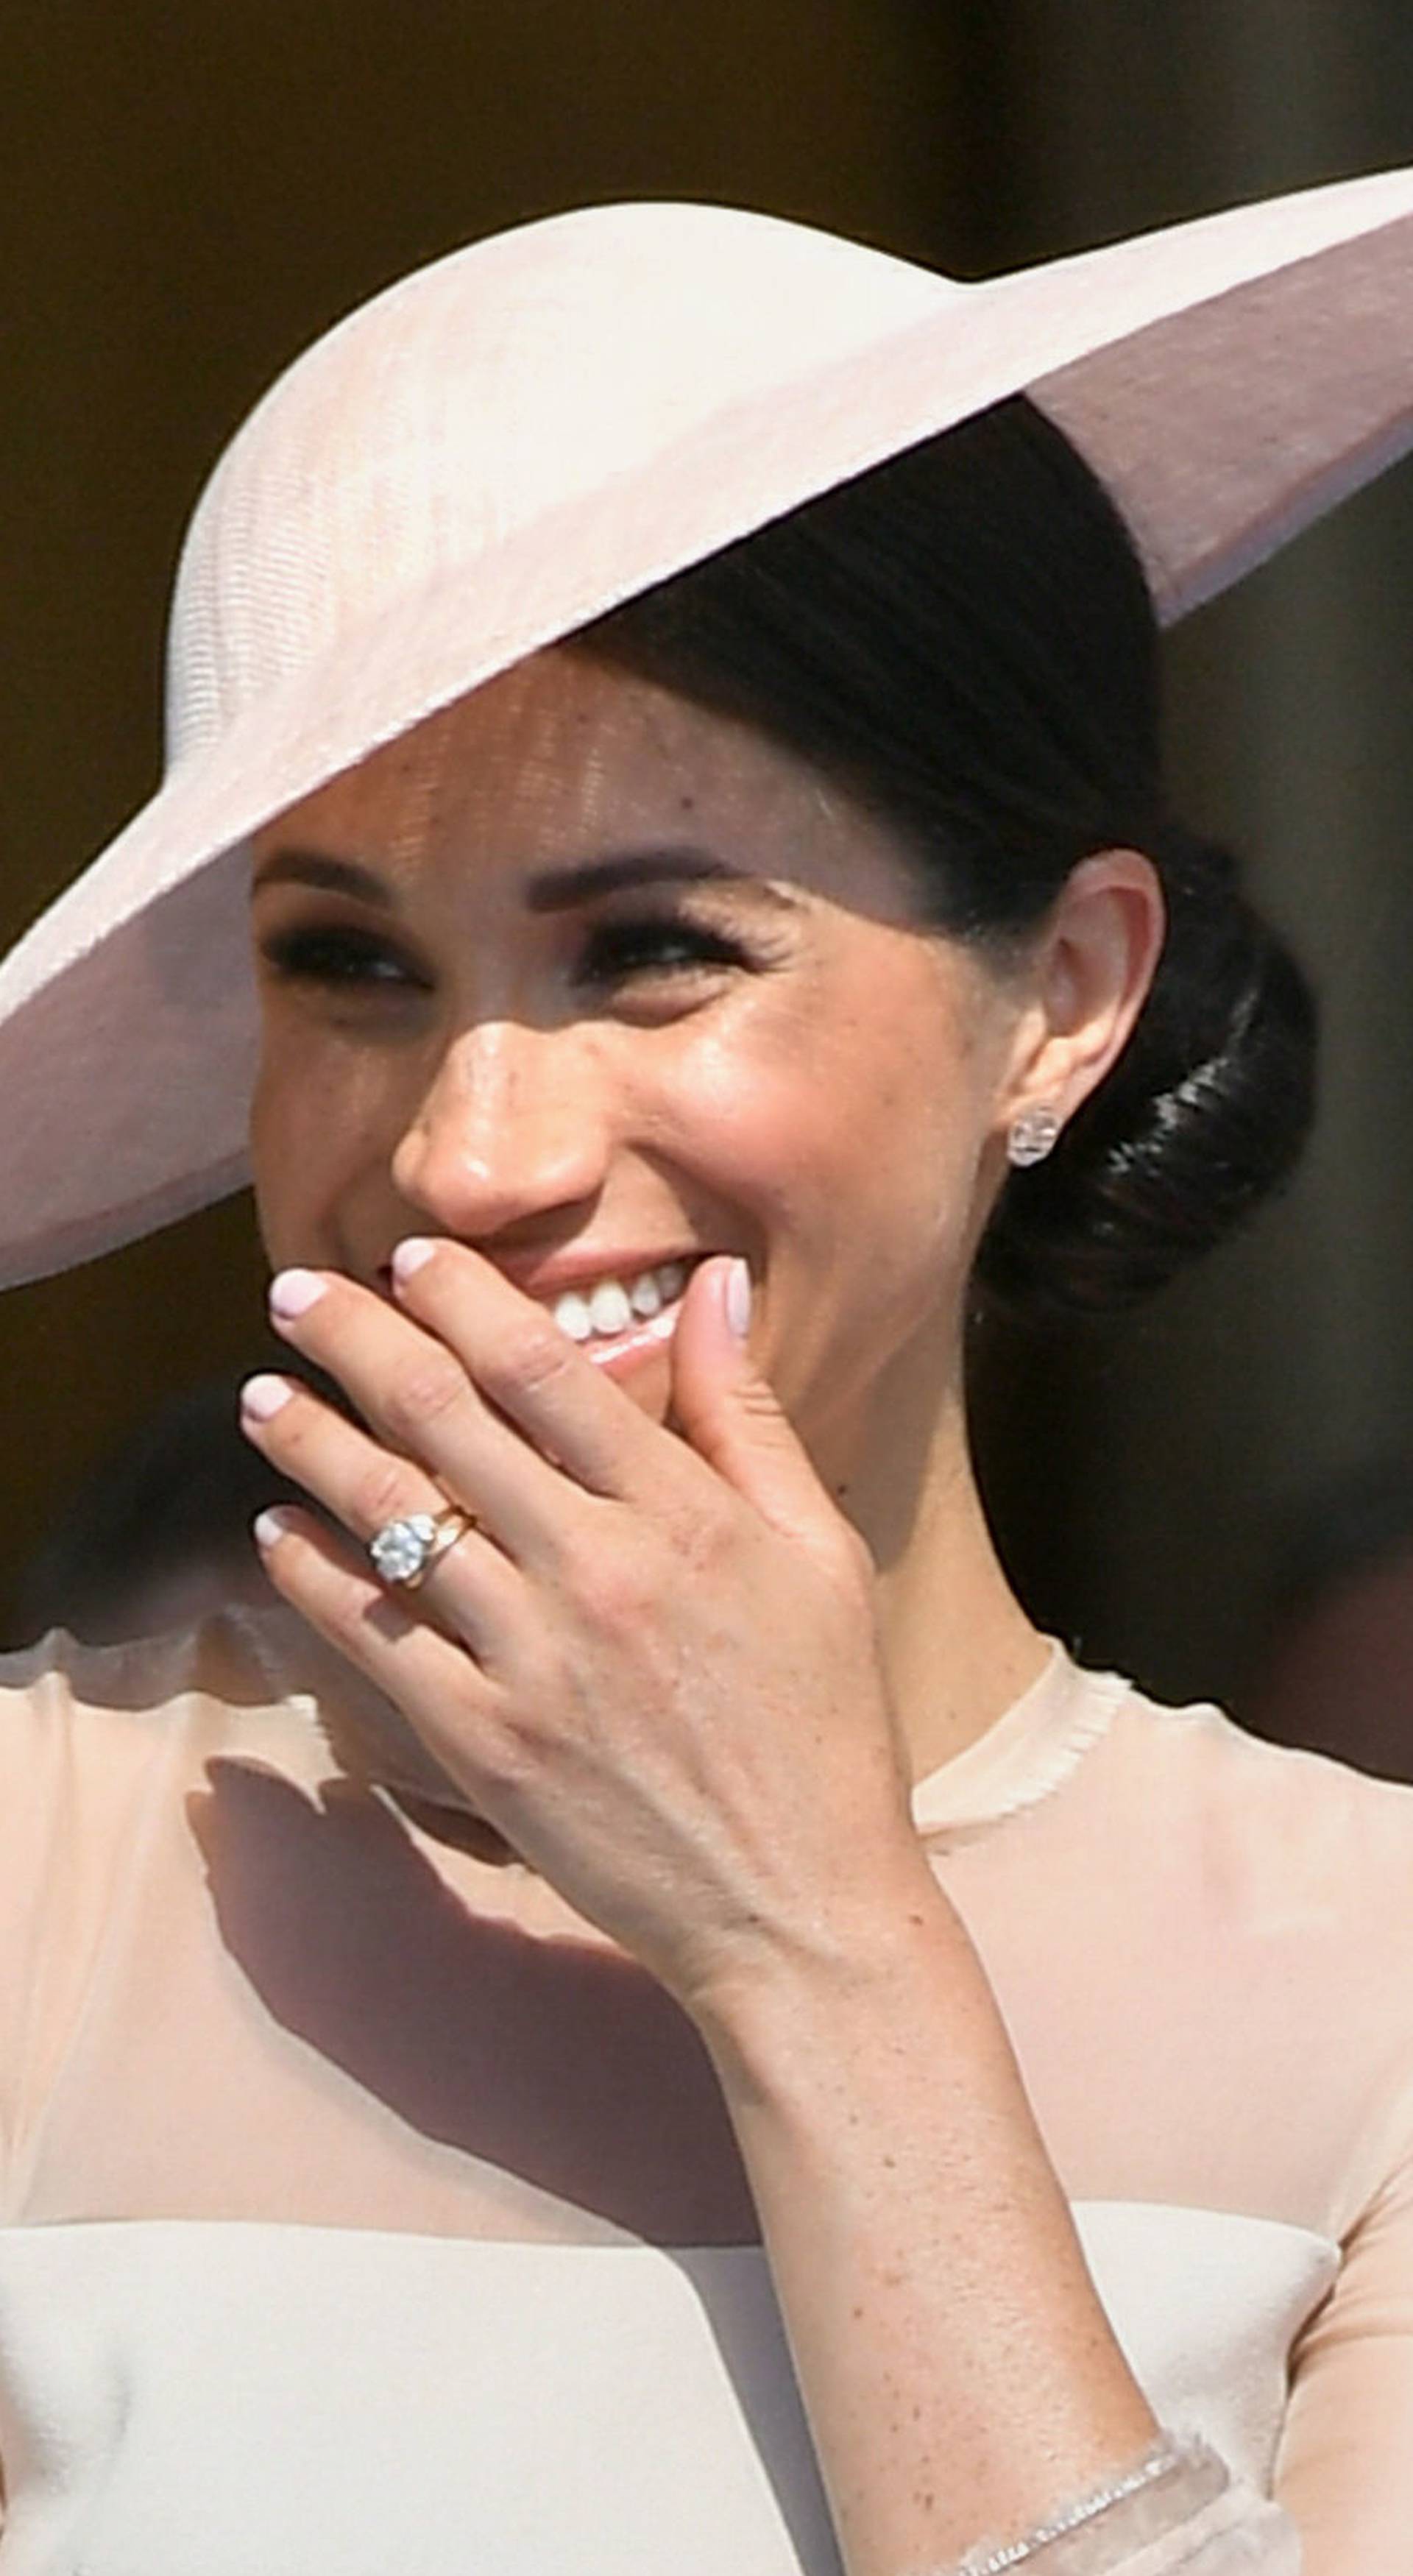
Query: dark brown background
{"x": 189, "y": 195}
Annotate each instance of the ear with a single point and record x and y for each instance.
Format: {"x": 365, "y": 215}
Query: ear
{"x": 1088, "y": 977}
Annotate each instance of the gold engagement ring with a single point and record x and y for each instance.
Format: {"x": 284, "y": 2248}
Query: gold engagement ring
{"x": 404, "y": 1551}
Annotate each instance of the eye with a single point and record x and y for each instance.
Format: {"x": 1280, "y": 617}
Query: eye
{"x": 621, "y": 948}
{"x": 340, "y": 958}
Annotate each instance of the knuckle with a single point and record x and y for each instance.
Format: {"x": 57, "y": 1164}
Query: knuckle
{"x": 576, "y": 1565}
{"x": 534, "y": 1356}
{"x": 620, "y": 1590}
{"x": 703, "y": 1542}
{"x": 508, "y": 1759}
{"x": 380, "y": 1495}
{"x": 423, "y": 1396}
{"x": 758, "y": 1402}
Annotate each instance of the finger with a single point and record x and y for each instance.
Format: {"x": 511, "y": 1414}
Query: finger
{"x": 342, "y": 1467}
{"x": 531, "y": 1371}
{"x": 415, "y": 1392}
{"x": 445, "y": 1697}
{"x": 733, "y": 1418}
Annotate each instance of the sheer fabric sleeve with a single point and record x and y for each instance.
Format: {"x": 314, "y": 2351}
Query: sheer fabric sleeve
{"x": 1345, "y": 2469}
{"x": 1220, "y": 2019}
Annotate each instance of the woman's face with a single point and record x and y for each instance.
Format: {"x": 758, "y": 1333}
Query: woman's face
{"x": 476, "y": 1025}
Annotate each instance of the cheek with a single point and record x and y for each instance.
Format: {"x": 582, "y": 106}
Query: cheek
{"x": 854, "y": 1135}
{"x": 315, "y": 1130}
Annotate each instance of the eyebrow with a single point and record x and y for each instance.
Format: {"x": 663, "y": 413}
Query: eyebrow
{"x": 330, "y": 876}
{"x": 553, "y": 890}
{"x": 556, "y": 888}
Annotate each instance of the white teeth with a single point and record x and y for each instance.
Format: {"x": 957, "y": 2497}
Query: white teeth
{"x": 610, "y": 1306}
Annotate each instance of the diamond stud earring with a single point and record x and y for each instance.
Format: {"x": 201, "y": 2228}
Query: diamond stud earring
{"x": 1033, "y": 1135}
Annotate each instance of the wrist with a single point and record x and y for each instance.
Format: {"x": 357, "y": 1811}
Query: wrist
{"x": 919, "y": 2237}
{"x": 865, "y": 1973}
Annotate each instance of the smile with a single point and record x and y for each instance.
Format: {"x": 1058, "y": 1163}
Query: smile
{"x": 612, "y": 1306}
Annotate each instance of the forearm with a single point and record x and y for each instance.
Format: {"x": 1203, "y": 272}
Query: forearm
{"x": 959, "y": 2373}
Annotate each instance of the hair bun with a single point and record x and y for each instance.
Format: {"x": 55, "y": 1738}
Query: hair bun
{"x": 1203, "y": 1116}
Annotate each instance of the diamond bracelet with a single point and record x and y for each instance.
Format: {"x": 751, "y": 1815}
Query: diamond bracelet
{"x": 1159, "y": 2461}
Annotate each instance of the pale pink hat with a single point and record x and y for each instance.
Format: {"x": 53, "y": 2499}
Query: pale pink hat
{"x": 522, "y": 435}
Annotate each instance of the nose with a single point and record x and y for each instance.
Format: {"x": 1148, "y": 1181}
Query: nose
{"x": 511, "y": 1125}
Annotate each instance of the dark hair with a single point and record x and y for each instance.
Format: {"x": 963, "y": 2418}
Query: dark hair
{"x": 963, "y": 638}
{"x": 177, "y": 1494}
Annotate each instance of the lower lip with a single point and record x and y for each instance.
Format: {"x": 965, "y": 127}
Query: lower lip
{"x": 624, "y": 1350}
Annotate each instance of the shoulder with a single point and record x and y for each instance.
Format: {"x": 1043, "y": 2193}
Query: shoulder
{"x": 1265, "y": 1904}
{"x": 1272, "y": 1826}
{"x": 83, "y": 1726}
{"x": 101, "y": 1750}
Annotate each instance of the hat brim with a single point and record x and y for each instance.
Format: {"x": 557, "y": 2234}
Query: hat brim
{"x": 1229, "y": 379}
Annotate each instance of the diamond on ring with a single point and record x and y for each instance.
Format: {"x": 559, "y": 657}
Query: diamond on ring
{"x": 403, "y": 1550}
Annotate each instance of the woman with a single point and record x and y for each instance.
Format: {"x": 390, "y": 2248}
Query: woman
{"x": 691, "y": 730}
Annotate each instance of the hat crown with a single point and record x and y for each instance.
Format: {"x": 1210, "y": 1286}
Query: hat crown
{"x": 502, "y": 381}
{"x": 526, "y": 434}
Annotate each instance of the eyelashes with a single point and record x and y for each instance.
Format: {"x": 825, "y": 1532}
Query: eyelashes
{"x": 620, "y": 948}
{"x": 340, "y": 958}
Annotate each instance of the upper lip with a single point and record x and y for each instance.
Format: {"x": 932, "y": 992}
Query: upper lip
{"x": 550, "y": 1279}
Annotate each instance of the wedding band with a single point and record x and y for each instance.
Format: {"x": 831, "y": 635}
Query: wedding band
{"x": 404, "y": 1551}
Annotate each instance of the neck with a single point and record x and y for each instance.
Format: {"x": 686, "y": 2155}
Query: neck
{"x": 957, "y": 1647}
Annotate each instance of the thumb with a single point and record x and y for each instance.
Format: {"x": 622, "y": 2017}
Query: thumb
{"x": 730, "y": 1412}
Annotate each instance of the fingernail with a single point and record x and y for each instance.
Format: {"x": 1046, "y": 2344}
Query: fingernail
{"x": 260, "y": 1397}
{"x": 738, "y": 1299}
{"x": 411, "y": 1255}
{"x": 269, "y": 1526}
{"x": 293, "y": 1292}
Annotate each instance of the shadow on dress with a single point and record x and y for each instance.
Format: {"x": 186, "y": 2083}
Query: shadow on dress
{"x": 543, "y": 2056}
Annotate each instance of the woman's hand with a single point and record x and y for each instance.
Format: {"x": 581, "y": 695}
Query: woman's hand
{"x": 653, "y": 1666}
{"x": 655, "y": 1669}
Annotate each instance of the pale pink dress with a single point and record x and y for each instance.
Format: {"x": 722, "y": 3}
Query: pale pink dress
{"x": 348, "y": 2224}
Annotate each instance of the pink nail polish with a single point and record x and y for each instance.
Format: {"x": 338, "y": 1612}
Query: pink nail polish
{"x": 293, "y": 1292}
{"x": 738, "y": 1299}
{"x": 261, "y": 1397}
{"x": 410, "y": 1256}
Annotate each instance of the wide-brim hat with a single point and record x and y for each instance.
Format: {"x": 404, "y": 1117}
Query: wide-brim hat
{"x": 530, "y": 431}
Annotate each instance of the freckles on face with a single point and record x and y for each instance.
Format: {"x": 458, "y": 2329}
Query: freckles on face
{"x": 320, "y": 1124}
{"x": 756, "y": 1048}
